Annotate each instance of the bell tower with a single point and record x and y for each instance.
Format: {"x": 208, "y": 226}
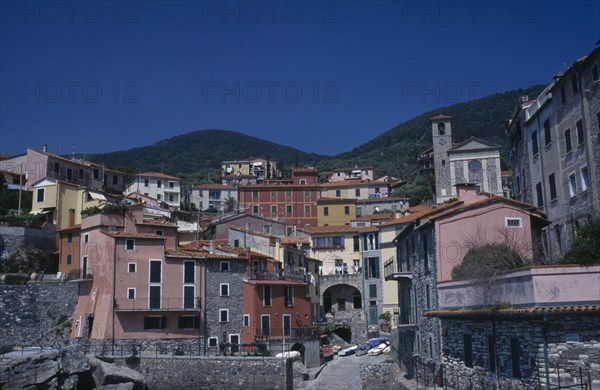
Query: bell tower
{"x": 441, "y": 128}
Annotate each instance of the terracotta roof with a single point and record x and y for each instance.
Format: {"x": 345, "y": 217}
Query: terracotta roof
{"x": 292, "y": 240}
{"x": 133, "y": 235}
{"x": 492, "y": 198}
{"x": 4, "y": 156}
{"x": 157, "y": 223}
{"x": 420, "y": 207}
{"x": 274, "y": 282}
{"x": 372, "y": 217}
{"x": 383, "y": 199}
{"x": 506, "y": 173}
{"x": 352, "y": 183}
{"x": 341, "y": 229}
{"x": 180, "y": 253}
{"x": 513, "y": 311}
{"x": 405, "y": 219}
{"x": 352, "y": 169}
{"x": 199, "y": 243}
{"x": 250, "y": 187}
{"x": 88, "y": 164}
{"x": 438, "y": 117}
{"x": 214, "y": 186}
{"x": 158, "y": 175}
{"x": 335, "y": 200}
{"x": 74, "y": 227}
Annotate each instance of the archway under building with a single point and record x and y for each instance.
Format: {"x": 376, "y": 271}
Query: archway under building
{"x": 341, "y": 298}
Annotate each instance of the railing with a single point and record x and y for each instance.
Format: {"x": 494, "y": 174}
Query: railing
{"x": 273, "y": 334}
{"x": 78, "y": 274}
{"x": 158, "y": 304}
{"x": 261, "y": 274}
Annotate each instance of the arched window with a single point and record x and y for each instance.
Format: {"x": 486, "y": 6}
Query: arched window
{"x": 441, "y": 129}
{"x": 475, "y": 172}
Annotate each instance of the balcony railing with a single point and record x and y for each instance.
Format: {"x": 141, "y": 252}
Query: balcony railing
{"x": 82, "y": 275}
{"x": 393, "y": 271}
{"x": 157, "y": 304}
{"x": 278, "y": 334}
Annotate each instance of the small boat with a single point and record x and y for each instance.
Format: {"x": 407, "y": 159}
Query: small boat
{"x": 362, "y": 350}
{"x": 378, "y": 350}
{"x": 348, "y": 351}
{"x": 288, "y": 354}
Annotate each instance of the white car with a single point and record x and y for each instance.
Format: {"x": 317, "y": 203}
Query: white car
{"x": 348, "y": 351}
{"x": 378, "y": 350}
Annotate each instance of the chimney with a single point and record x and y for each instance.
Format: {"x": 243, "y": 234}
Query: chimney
{"x": 45, "y": 148}
{"x": 468, "y": 192}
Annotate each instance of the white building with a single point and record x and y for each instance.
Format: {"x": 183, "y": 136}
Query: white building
{"x": 162, "y": 187}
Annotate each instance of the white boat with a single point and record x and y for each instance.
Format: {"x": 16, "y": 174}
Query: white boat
{"x": 378, "y": 350}
{"x": 288, "y": 354}
{"x": 387, "y": 349}
{"x": 348, "y": 351}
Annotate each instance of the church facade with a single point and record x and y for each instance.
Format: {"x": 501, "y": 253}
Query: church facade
{"x": 471, "y": 161}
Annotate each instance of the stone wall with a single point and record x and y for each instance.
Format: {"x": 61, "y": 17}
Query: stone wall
{"x": 37, "y": 314}
{"x": 248, "y": 373}
{"x": 382, "y": 376}
{"x": 572, "y": 343}
{"x": 17, "y": 239}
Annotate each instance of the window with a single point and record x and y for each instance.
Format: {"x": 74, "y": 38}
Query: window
{"x": 171, "y": 184}
{"x": 273, "y": 194}
{"x": 338, "y": 193}
{"x": 131, "y": 293}
{"x": 306, "y": 210}
{"x": 595, "y": 72}
{"x": 69, "y": 238}
{"x": 326, "y": 211}
{"x": 572, "y": 185}
{"x": 224, "y": 315}
{"x": 130, "y": 244}
{"x": 552, "y": 184}
{"x": 547, "y": 132}
{"x": 273, "y": 209}
{"x": 580, "y": 132}
{"x": 574, "y": 84}
{"x": 246, "y": 322}
{"x": 358, "y": 211}
{"x": 287, "y": 325}
{"x": 154, "y": 299}
{"x": 96, "y": 174}
{"x": 56, "y": 167}
{"x": 515, "y": 352}
{"x": 188, "y": 297}
{"x": 255, "y": 209}
{"x": 513, "y": 222}
{"x": 372, "y": 291}
{"x": 188, "y": 272}
{"x": 236, "y": 243}
{"x": 289, "y": 296}
{"x": 213, "y": 342}
{"x": 357, "y": 192}
{"x": 372, "y": 268}
{"x": 40, "y": 195}
{"x": 265, "y": 325}
{"x": 159, "y": 232}
{"x": 356, "y": 243}
{"x": 540, "y": 195}
{"x": 131, "y": 267}
{"x": 347, "y": 210}
{"x": 159, "y": 183}
{"x": 302, "y": 182}
{"x": 189, "y": 322}
{"x": 563, "y": 95}
{"x": 288, "y": 209}
{"x": 267, "y": 296}
{"x": 328, "y": 242}
{"x": 155, "y": 271}
{"x": 69, "y": 174}
{"x": 255, "y": 194}
{"x": 69, "y": 259}
{"x": 425, "y": 251}
{"x": 84, "y": 266}
{"x": 115, "y": 179}
{"x": 427, "y": 297}
{"x": 568, "y": 145}
{"x": 306, "y": 194}
{"x": 224, "y": 266}
{"x": 534, "y": 143}
{"x": 289, "y": 230}
{"x": 155, "y": 322}
{"x": 585, "y": 179}
{"x": 146, "y": 182}
{"x": 224, "y": 289}
{"x": 158, "y": 197}
{"x": 468, "y": 349}
{"x": 86, "y": 238}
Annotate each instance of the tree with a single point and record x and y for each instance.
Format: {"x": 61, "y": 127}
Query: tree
{"x": 229, "y": 204}
{"x": 585, "y": 249}
{"x": 419, "y": 190}
{"x": 486, "y": 261}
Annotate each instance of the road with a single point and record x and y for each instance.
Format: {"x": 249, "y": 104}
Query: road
{"x": 343, "y": 373}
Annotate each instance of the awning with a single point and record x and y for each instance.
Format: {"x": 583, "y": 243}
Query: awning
{"x": 97, "y": 196}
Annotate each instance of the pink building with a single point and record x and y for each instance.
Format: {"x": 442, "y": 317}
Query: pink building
{"x": 135, "y": 283}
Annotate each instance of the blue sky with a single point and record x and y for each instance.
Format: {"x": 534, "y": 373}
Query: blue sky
{"x": 323, "y": 77}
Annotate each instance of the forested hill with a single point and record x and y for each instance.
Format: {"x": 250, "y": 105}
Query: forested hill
{"x": 196, "y": 156}
{"x": 395, "y": 151}
{"x": 197, "y": 153}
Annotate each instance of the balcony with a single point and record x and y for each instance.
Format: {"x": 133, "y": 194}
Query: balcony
{"x": 78, "y": 275}
{"x": 393, "y": 271}
{"x": 262, "y": 274}
{"x": 157, "y": 304}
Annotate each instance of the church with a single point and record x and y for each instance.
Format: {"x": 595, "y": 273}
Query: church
{"x": 471, "y": 161}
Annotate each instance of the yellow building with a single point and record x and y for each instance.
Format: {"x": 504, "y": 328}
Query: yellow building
{"x": 335, "y": 212}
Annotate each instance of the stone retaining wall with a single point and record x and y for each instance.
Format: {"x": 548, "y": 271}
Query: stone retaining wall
{"x": 248, "y": 373}
{"x": 382, "y": 376}
{"x": 37, "y": 314}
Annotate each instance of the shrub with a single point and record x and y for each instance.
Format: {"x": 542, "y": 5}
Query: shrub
{"x": 132, "y": 361}
{"x": 585, "y": 249}
{"x": 486, "y": 261}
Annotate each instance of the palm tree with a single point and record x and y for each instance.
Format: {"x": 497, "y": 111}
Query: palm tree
{"x": 229, "y": 204}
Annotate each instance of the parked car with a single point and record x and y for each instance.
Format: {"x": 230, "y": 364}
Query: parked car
{"x": 378, "y": 350}
{"x": 348, "y": 351}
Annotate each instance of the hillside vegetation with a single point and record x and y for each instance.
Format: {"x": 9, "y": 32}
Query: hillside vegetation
{"x": 196, "y": 156}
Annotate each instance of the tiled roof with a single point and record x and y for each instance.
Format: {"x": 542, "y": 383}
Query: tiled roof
{"x": 341, "y": 229}
{"x": 513, "y": 311}
{"x": 420, "y": 207}
{"x": 292, "y": 240}
{"x": 274, "y": 282}
{"x": 492, "y": 198}
{"x": 214, "y": 186}
{"x": 88, "y": 164}
{"x": 352, "y": 183}
{"x": 335, "y": 200}
{"x": 473, "y": 139}
{"x": 352, "y": 169}
{"x": 376, "y": 217}
{"x": 180, "y": 253}
{"x": 383, "y": 199}
{"x": 151, "y": 236}
{"x": 407, "y": 218}
{"x": 159, "y": 175}
{"x": 440, "y": 117}
{"x": 157, "y": 223}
